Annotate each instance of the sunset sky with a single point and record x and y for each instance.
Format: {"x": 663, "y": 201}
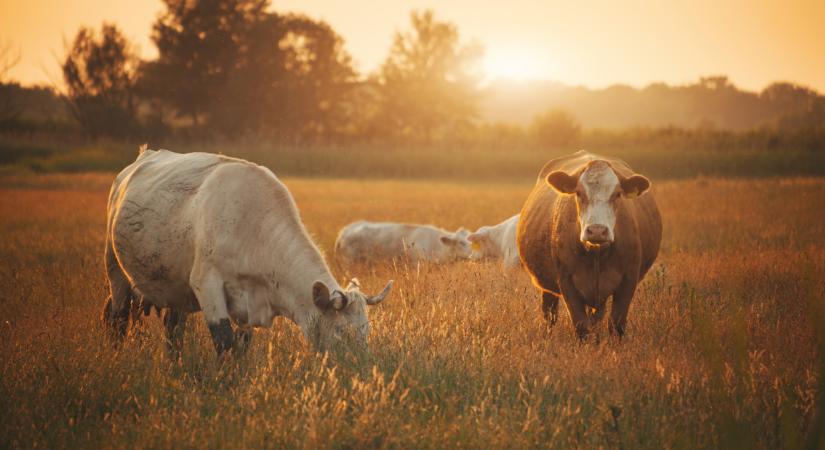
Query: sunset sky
{"x": 594, "y": 43}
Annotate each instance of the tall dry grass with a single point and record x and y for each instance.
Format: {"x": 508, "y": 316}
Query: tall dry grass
{"x": 722, "y": 347}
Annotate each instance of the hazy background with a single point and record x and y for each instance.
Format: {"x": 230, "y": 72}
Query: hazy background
{"x": 728, "y": 86}
{"x": 594, "y": 43}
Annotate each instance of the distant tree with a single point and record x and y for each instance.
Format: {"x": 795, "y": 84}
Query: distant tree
{"x": 320, "y": 78}
{"x": 556, "y": 128}
{"x": 199, "y": 44}
{"x": 99, "y": 72}
{"x": 429, "y": 80}
{"x": 10, "y": 104}
{"x": 290, "y": 81}
{"x": 794, "y": 106}
{"x": 9, "y": 57}
{"x": 239, "y": 69}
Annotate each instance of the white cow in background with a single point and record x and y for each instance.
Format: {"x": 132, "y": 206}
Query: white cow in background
{"x": 497, "y": 242}
{"x": 204, "y": 232}
{"x": 382, "y": 240}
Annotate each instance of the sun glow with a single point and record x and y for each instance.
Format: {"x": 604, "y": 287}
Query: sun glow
{"x": 514, "y": 65}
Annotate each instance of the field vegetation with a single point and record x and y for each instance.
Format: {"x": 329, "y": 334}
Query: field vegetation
{"x": 724, "y": 346}
{"x": 445, "y": 161}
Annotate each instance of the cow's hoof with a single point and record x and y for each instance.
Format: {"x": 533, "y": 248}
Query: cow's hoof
{"x": 222, "y": 336}
{"x": 242, "y": 339}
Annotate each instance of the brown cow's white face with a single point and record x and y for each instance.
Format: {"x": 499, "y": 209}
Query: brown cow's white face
{"x": 599, "y": 191}
{"x": 596, "y": 195}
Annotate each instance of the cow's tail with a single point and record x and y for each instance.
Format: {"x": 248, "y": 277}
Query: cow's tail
{"x": 143, "y": 147}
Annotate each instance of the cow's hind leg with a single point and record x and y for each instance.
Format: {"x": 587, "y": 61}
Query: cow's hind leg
{"x": 118, "y": 304}
{"x": 208, "y": 286}
{"x": 550, "y": 307}
{"x": 174, "y": 325}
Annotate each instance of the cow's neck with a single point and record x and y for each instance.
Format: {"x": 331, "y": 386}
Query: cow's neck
{"x": 297, "y": 302}
{"x": 300, "y": 266}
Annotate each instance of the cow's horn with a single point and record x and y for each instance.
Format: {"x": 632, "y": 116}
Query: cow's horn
{"x": 380, "y": 297}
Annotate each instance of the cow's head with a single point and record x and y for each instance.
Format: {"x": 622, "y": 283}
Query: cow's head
{"x": 344, "y": 313}
{"x": 456, "y": 244}
{"x": 482, "y": 244}
{"x": 599, "y": 191}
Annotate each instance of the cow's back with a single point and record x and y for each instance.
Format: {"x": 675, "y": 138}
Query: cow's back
{"x": 387, "y": 240}
{"x": 367, "y": 240}
{"x": 151, "y": 221}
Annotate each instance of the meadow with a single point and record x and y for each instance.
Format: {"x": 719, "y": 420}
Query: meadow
{"x": 724, "y": 349}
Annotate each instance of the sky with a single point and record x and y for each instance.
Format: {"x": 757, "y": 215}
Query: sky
{"x": 594, "y": 43}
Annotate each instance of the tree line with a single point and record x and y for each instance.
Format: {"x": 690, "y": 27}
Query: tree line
{"x": 230, "y": 69}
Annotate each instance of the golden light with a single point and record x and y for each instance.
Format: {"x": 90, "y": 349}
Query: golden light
{"x": 516, "y": 65}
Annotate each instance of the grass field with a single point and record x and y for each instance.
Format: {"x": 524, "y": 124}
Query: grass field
{"x": 724, "y": 346}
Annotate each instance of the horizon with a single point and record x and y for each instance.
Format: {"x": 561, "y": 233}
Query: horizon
{"x": 540, "y": 43}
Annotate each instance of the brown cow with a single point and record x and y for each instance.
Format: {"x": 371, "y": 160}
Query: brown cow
{"x": 585, "y": 235}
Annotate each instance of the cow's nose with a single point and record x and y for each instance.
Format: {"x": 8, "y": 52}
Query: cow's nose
{"x": 597, "y": 234}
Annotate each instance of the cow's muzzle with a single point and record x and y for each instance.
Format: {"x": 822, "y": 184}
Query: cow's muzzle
{"x": 597, "y": 235}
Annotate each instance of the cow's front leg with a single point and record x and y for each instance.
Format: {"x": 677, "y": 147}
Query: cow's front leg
{"x": 174, "y": 324}
{"x": 208, "y": 286}
{"x": 550, "y": 307}
{"x": 621, "y": 306}
{"x": 576, "y": 306}
{"x": 243, "y": 336}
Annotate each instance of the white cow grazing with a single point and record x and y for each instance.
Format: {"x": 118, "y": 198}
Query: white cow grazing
{"x": 497, "y": 242}
{"x": 204, "y": 232}
{"x": 381, "y": 240}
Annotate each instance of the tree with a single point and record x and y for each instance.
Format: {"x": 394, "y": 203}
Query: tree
{"x": 290, "y": 81}
{"x": 428, "y": 81}
{"x": 555, "y": 129}
{"x": 99, "y": 72}
{"x": 794, "y": 106}
{"x": 320, "y": 78}
{"x": 240, "y": 69}
{"x": 10, "y": 104}
{"x": 199, "y": 44}
{"x": 9, "y": 57}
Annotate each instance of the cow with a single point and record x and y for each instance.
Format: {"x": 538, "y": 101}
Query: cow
{"x": 497, "y": 242}
{"x": 590, "y": 229}
{"x": 206, "y": 232}
{"x": 383, "y": 240}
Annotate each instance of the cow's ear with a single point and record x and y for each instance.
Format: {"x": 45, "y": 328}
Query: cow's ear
{"x": 562, "y": 182}
{"x": 320, "y": 295}
{"x": 635, "y": 186}
{"x": 339, "y": 300}
{"x": 447, "y": 240}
